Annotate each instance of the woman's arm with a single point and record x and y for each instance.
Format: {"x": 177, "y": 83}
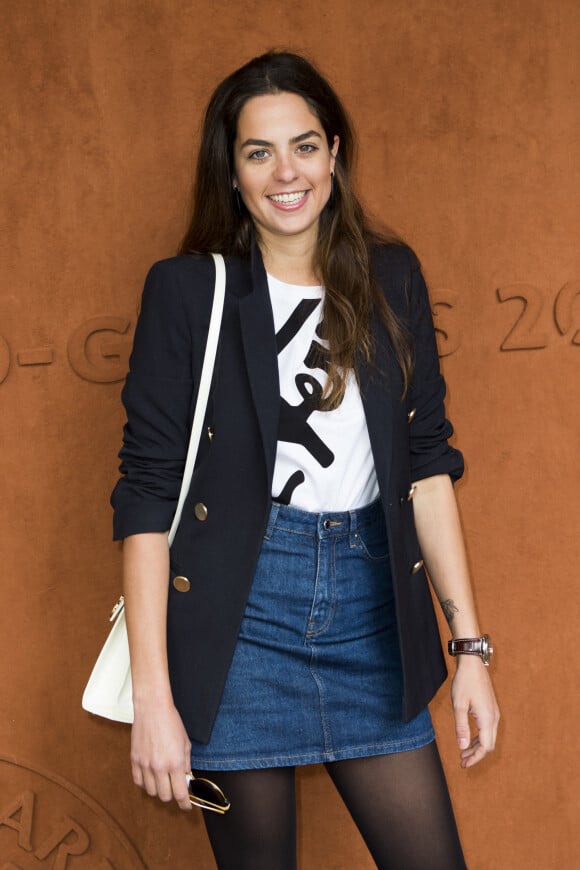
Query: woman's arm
{"x": 160, "y": 747}
{"x": 442, "y": 547}
{"x": 158, "y": 396}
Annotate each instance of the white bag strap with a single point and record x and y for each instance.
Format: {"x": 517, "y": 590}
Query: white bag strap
{"x": 204, "y": 387}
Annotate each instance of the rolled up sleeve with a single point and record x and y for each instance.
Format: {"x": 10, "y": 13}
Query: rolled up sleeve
{"x": 430, "y": 430}
{"x": 157, "y": 397}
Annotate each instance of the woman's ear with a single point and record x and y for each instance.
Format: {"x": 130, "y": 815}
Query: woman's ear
{"x": 334, "y": 152}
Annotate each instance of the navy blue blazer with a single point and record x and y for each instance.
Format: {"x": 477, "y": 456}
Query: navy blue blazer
{"x": 217, "y": 545}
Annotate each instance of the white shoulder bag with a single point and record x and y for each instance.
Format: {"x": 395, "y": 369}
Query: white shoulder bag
{"x": 109, "y": 691}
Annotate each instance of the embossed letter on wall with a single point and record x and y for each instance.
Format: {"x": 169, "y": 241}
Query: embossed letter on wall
{"x": 97, "y": 350}
{"x": 48, "y": 822}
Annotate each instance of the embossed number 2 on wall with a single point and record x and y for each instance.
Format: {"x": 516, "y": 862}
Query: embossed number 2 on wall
{"x": 525, "y": 333}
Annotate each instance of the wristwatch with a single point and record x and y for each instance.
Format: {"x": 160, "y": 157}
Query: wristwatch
{"x": 472, "y": 646}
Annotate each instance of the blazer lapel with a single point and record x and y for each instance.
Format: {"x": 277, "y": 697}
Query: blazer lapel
{"x": 259, "y": 343}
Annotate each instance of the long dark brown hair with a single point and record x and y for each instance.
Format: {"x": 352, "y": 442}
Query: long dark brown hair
{"x": 221, "y": 223}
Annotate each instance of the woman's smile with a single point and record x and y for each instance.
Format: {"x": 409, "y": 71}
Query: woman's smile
{"x": 289, "y": 201}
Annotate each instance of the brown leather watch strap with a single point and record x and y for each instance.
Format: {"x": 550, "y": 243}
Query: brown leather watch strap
{"x": 472, "y": 646}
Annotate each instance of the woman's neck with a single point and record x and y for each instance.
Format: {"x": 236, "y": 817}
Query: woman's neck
{"x": 289, "y": 259}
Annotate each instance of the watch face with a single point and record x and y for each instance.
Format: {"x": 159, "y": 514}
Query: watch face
{"x": 486, "y": 649}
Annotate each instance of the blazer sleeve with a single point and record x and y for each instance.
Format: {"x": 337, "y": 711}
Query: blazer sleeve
{"x": 157, "y": 397}
{"x": 429, "y": 430}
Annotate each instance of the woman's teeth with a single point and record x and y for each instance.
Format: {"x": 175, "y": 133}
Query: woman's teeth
{"x": 288, "y": 197}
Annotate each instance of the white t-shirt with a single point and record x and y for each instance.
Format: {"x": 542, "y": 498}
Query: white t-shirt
{"x": 323, "y": 460}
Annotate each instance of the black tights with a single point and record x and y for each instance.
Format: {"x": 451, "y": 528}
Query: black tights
{"x": 399, "y": 803}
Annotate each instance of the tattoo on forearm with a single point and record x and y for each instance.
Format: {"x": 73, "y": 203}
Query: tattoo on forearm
{"x": 449, "y": 608}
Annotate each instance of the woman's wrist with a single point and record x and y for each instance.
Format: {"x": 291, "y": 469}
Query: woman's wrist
{"x": 145, "y": 706}
{"x": 148, "y": 694}
{"x": 478, "y": 647}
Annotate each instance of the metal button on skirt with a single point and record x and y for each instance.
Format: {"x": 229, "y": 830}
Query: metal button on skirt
{"x": 316, "y": 674}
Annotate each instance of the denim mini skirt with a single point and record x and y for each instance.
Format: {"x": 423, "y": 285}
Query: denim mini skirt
{"x": 316, "y": 674}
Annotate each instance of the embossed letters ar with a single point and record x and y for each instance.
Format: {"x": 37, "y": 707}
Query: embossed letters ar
{"x": 67, "y": 838}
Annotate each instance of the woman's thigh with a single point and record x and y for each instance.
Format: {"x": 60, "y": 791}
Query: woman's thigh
{"x": 401, "y": 805}
{"x": 259, "y": 831}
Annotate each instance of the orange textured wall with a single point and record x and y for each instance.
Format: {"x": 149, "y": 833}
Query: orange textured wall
{"x": 469, "y": 141}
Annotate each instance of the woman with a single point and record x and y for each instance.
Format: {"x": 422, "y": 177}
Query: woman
{"x": 297, "y": 626}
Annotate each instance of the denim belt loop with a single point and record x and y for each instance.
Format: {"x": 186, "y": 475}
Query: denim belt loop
{"x": 272, "y": 520}
{"x": 353, "y": 520}
{"x": 353, "y": 527}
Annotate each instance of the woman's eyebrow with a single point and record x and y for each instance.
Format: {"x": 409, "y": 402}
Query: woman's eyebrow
{"x": 263, "y": 143}
{"x": 308, "y": 135}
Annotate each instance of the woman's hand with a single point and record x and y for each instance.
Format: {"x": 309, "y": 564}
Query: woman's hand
{"x": 161, "y": 754}
{"x": 160, "y": 747}
{"x": 472, "y": 695}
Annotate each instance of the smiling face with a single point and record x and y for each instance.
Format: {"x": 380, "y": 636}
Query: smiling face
{"x": 282, "y": 166}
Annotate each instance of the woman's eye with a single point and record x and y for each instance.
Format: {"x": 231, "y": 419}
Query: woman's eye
{"x": 258, "y": 155}
{"x": 306, "y": 148}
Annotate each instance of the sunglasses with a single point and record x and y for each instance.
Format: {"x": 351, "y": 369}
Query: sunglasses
{"x": 206, "y": 794}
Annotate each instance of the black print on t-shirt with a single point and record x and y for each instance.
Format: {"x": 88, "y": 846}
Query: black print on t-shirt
{"x": 294, "y": 426}
{"x": 295, "y": 322}
{"x": 317, "y": 358}
{"x": 291, "y": 484}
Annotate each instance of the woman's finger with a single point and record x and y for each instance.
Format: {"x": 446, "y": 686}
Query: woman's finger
{"x": 462, "y": 729}
{"x": 137, "y": 774}
{"x": 149, "y": 783}
{"x": 180, "y": 791}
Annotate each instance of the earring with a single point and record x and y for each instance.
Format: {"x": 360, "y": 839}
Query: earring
{"x": 331, "y": 197}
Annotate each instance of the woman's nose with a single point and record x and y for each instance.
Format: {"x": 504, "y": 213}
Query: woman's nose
{"x": 285, "y": 169}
